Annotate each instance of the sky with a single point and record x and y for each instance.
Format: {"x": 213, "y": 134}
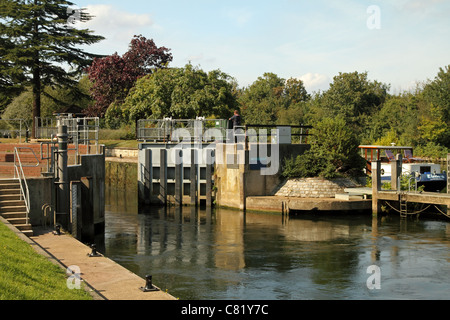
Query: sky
{"x": 400, "y": 43}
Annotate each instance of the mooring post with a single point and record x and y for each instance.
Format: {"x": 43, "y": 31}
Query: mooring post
{"x": 148, "y": 185}
{"x": 396, "y": 171}
{"x": 209, "y": 177}
{"x": 163, "y": 176}
{"x": 193, "y": 177}
{"x": 178, "y": 177}
{"x": 62, "y": 209}
{"x": 376, "y": 186}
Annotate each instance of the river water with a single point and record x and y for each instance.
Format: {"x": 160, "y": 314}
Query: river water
{"x": 226, "y": 254}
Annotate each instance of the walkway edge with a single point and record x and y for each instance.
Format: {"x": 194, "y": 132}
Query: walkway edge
{"x": 92, "y": 291}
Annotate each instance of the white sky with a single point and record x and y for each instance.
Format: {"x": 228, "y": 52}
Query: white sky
{"x": 397, "y": 42}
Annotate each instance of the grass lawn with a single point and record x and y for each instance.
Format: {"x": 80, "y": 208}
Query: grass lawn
{"x": 27, "y": 275}
{"x": 119, "y": 143}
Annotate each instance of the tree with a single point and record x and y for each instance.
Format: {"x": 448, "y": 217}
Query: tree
{"x": 113, "y": 76}
{"x": 52, "y": 100}
{"x": 182, "y": 93}
{"x": 396, "y": 121}
{"x": 10, "y": 77}
{"x": 44, "y": 48}
{"x": 333, "y": 153}
{"x": 435, "y": 124}
{"x": 269, "y": 99}
{"x": 352, "y": 96}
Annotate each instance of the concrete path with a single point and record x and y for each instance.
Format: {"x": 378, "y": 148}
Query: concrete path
{"x": 109, "y": 280}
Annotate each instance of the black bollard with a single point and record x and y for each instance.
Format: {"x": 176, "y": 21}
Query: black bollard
{"x": 148, "y": 284}
{"x": 94, "y": 252}
{"x": 57, "y": 230}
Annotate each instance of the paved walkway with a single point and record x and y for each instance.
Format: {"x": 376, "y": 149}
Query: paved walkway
{"x": 109, "y": 280}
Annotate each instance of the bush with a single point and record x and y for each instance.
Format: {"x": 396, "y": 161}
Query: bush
{"x": 333, "y": 153}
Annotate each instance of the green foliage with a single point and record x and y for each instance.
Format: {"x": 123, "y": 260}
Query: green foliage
{"x": 42, "y": 49}
{"x": 26, "y": 275}
{"x": 406, "y": 183}
{"x": 181, "y": 93}
{"x": 435, "y": 124}
{"x": 273, "y": 100}
{"x": 352, "y": 96}
{"x": 52, "y": 100}
{"x": 431, "y": 150}
{"x": 333, "y": 153}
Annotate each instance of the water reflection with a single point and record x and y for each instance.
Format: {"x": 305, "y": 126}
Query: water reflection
{"x": 225, "y": 254}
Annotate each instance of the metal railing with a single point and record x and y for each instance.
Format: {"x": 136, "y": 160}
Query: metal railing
{"x": 14, "y": 128}
{"x": 82, "y": 132}
{"x": 18, "y": 170}
{"x": 168, "y": 129}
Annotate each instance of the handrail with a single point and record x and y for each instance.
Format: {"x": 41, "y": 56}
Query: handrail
{"x": 24, "y": 193}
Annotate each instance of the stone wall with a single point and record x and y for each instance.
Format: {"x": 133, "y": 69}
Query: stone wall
{"x": 314, "y": 187}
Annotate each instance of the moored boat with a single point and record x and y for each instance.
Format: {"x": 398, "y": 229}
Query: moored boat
{"x": 422, "y": 172}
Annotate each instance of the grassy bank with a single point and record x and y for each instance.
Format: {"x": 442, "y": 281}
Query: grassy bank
{"x": 27, "y": 275}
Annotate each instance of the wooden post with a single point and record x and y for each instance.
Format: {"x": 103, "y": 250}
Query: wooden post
{"x": 178, "y": 177}
{"x": 148, "y": 186}
{"x": 209, "y": 177}
{"x": 193, "y": 178}
{"x": 242, "y": 193}
{"x": 448, "y": 168}
{"x": 376, "y": 186}
{"x": 163, "y": 177}
{"x": 396, "y": 171}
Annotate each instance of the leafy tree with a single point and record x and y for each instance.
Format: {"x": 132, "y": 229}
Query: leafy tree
{"x": 435, "y": 124}
{"x": 113, "y": 76}
{"x": 397, "y": 120}
{"x": 270, "y": 98}
{"x": 43, "y": 44}
{"x": 52, "y": 100}
{"x": 181, "y": 93}
{"x": 352, "y": 96}
{"x": 333, "y": 153}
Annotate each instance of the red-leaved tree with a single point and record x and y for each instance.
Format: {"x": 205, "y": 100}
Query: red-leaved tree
{"x": 113, "y": 76}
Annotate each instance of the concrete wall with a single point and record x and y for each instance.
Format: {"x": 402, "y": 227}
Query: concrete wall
{"x": 237, "y": 181}
{"x": 121, "y": 152}
{"x": 90, "y": 178}
{"x": 40, "y": 194}
{"x": 121, "y": 175}
{"x": 91, "y": 175}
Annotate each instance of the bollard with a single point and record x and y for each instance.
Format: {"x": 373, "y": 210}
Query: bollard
{"x": 148, "y": 285}
{"x": 94, "y": 252}
{"x": 57, "y": 230}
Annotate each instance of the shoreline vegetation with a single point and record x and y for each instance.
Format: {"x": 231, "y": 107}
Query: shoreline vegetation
{"x": 27, "y": 275}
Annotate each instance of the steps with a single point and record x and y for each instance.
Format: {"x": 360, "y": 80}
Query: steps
{"x": 12, "y": 207}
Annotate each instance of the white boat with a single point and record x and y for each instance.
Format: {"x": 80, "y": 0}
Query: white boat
{"x": 422, "y": 172}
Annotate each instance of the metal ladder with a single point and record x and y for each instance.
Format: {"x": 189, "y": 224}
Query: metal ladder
{"x": 403, "y": 205}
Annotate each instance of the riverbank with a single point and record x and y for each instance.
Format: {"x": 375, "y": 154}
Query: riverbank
{"x": 27, "y": 274}
{"x": 103, "y": 278}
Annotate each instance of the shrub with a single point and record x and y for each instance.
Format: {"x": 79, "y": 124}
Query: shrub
{"x": 333, "y": 153}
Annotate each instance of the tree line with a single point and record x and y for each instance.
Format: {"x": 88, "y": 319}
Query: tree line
{"x": 42, "y": 70}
